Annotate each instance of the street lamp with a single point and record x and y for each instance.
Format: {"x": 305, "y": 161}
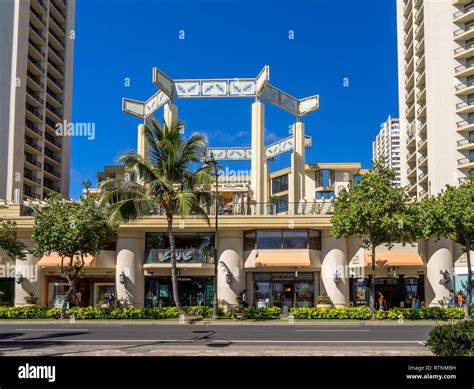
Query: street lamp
{"x": 211, "y": 164}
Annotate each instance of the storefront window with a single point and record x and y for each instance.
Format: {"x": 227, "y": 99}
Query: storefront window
{"x": 280, "y": 184}
{"x": 100, "y": 292}
{"x": 193, "y": 291}
{"x": 282, "y": 239}
{"x": 411, "y": 289}
{"x": 361, "y": 293}
{"x": 56, "y": 294}
{"x": 324, "y": 178}
{"x": 283, "y": 290}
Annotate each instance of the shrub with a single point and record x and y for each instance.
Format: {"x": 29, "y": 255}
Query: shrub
{"x": 379, "y": 314}
{"x": 263, "y": 313}
{"x": 451, "y": 340}
{"x": 360, "y": 313}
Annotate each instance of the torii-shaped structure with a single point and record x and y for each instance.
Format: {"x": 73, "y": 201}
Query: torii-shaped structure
{"x": 259, "y": 88}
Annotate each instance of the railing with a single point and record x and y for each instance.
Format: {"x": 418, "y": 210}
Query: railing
{"x": 56, "y": 51}
{"x": 422, "y": 159}
{"x": 41, "y": 19}
{"x": 193, "y": 255}
{"x": 464, "y": 142}
{"x": 56, "y": 82}
{"x": 61, "y": 43}
{"x": 411, "y": 155}
{"x": 33, "y": 144}
{"x": 31, "y": 92}
{"x": 51, "y": 139}
{"x": 58, "y": 69}
{"x": 421, "y": 91}
{"x": 38, "y": 65}
{"x": 422, "y": 175}
{"x": 34, "y": 111}
{"x": 409, "y": 171}
{"x": 410, "y": 138}
{"x": 31, "y": 160}
{"x": 58, "y": 24}
{"x": 60, "y": 11}
{"x": 43, "y": 5}
{"x": 421, "y": 141}
{"x": 422, "y": 192}
{"x": 463, "y": 161}
{"x": 322, "y": 207}
{"x": 54, "y": 110}
{"x": 463, "y": 105}
{"x": 37, "y": 47}
{"x": 40, "y": 34}
{"x": 50, "y": 169}
{"x": 35, "y": 79}
{"x": 51, "y": 123}
{"x": 32, "y": 127}
{"x": 51, "y": 155}
{"x": 31, "y": 177}
{"x": 30, "y": 193}
{"x": 51, "y": 186}
{"x": 54, "y": 95}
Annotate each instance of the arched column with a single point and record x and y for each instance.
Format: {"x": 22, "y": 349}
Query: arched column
{"x": 170, "y": 114}
{"x": 142, "y": 147}
{"x": 33, "y": 279}
{"x": 440, "y": 259}
{"x": 130, "y": 254}
{"x": 258, "y": 153}
{"x": 334, "y": 258}
{"x": 230, "y": 247}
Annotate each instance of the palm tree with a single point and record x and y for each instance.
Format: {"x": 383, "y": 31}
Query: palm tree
{"x": 164, "y": 182}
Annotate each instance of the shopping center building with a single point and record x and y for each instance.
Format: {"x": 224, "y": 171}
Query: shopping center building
{"x": 274, "y": 243}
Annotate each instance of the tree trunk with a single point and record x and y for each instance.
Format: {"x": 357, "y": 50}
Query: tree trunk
{"x": 372, "y": 285}
{"x": 174, "y": 275}
{"x": 469, "y": 279}
{"x": 70, "y": 295}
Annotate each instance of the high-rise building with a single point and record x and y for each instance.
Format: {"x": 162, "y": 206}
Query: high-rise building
{"x": 436, "y": 93}
{"x": 387, "y": 146}
{"x": 36, "y": 61}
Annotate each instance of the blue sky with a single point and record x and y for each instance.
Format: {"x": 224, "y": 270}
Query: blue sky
{"x": 333, "y": 40}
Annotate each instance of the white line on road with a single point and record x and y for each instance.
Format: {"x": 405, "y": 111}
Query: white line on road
{"x": 332, "y": 330}
{"x": 51, "y": 329}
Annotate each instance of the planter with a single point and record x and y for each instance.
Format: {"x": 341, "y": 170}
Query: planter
{"x": 31, "y": 300}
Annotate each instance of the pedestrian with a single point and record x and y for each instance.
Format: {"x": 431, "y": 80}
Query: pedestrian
{"x": 417, "y": 303}
{"x": 413, "y": 300}
{"x": 451, "y": 298}
{"x": 381, "y": 300}
{"x": 460, "y": 299}
{"x": 110, "y": 299}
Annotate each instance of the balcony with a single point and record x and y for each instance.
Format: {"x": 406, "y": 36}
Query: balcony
{"x": 422, "y": 160}
{"x": 421, "y": 94}
{"x": 464, "y": 70}
{"x": 422, "y": 144}
{"x": 461, "y": 2}
{"x": 465, "y": 107}
{"x": 411, "y": 171}
{"x": 463, "y": 16}
{"x": 36, "y": 63}
{"x": 464, "y": 51}
{"x": 29, "y": 158}
{"x": 51, "y": 186}
{"x": 464, "y": 125}
{"x": 58, "y": 13}
{"x": 409, "y": 81}
{"x": 422, "y": 177}
{"x": 49, "y": 169}
{"x": 408, "y": 22}
{"x": 410, "y": 111}
{"x": 48, "y": 137}
{"x": 422, "y": 193}
{"x": 419, "y": 15}
{"x": 55, "y": 96}
{"x": 421, "y": 111}
{"x": 60, "y": 30}
{"x": 40, "y": 52}
{"x": 464, "y": 88}
{"x": 33, "y": 144}
{"x": 30, "y": 125}
{"x": 32, "y": 178}
{"x": 409, "y": 66}
{"x": 465, "y": 144}
{"x": 465, "y": 163}
{"x": 36, "y": 79}
{"x": 48, "y": 153}
{"x": 419, "y": 46}
{"x": 410, "y": 140}
{"x": 419, "y": 30}
{"x": 38, "y": 18}
{"x": 422, "y": 126}
{"x": 464, "y": 33}
{"x": 28, "y": 192}
{"x": 412, "y": 188}
{"x": 38, "y": 35}
{"x": 58, "y": 70}
{"x": 56, "y": 40}
{"x": 183, "y": 256}
{"x": 420, "y": 61}
{"x": 408, "y": 51}
{"x": 420, "y": 78}
{"x": 55, "y": 111}
{"x": 57, "y": 53}
{"x": 36, "y": 97}
{"x": 55, "y": 84}
{"x": 411, "y": 156}
{"x": 407, "y": 8}
{"x": 34, "y": 111}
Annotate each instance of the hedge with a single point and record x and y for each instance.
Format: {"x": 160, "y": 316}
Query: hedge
{"x": 263, "y": 313}
{"x": 451, "y": 340}
{"x": 363, "y": 313}
{"x": 104, "y": 313}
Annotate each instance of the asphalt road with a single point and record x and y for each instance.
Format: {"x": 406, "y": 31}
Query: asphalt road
{"x": 198, "y": 335}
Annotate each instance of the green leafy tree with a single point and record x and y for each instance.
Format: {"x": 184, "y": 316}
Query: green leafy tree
{"x": 451, "y": 215}
{"x": 162, "y": 183}
{"x": 376, "y": 212}
{"x": 9, "y": 243}
{"x": 73, "y": 230}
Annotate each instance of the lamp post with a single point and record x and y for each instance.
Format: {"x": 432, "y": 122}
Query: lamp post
{"x": 211, "y": 164}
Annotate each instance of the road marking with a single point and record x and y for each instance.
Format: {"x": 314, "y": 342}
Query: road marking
{"x": 51, "y": 329}
{"x": 332, "y": 330}
{"x": 324, "y": 341}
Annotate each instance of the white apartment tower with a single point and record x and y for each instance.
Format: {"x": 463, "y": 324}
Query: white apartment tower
{"x": 36, "y": 62}
{"x": 436, "y": 93}
{"x": 387, "y": 146}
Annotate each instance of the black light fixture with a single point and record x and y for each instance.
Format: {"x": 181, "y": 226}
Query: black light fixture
{"x": 228, "y": 277}
{"x": 19, "y": 278}
{"x": 337, "y": 276}
{"x": 123, "y": 277}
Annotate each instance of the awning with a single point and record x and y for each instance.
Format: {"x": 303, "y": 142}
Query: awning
{"x": 290, "y": 258}
{"x": 394, "y": 259}
{"x": 54, "y": 260}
